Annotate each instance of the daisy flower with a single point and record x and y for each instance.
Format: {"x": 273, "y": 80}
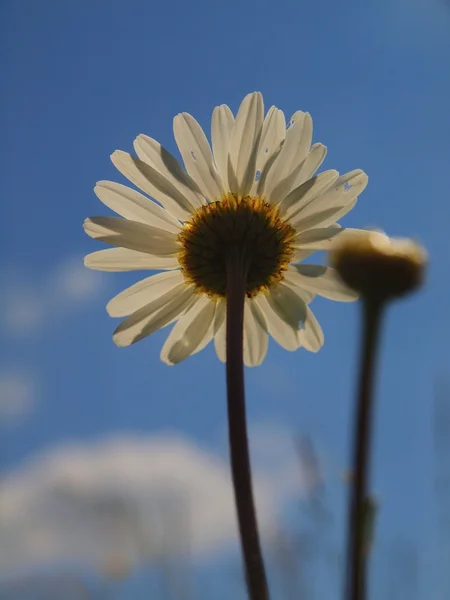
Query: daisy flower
{"x": 253, "y": 192}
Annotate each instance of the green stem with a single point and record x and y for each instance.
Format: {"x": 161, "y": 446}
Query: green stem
{"x": 356, "y": 553}
{"x": 237, "y": 430}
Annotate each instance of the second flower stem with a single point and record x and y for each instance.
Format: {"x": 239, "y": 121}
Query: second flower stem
{"x": 356, "y": 577}
{"x": 237, "y": 429}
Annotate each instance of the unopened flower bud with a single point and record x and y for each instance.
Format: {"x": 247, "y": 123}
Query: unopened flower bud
{"x": 379, "y": 267}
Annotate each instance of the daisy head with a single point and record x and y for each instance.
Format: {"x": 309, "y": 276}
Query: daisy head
{"x": 253, "y": 193}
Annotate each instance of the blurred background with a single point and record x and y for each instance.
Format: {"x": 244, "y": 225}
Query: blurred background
{"x": 114, "y": 479}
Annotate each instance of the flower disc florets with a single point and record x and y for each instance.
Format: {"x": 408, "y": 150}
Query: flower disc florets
{"x": 250, "y": 227}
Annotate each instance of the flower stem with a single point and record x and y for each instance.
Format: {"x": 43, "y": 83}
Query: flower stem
{"x": 356, "y": 552}
{"x": 237, "y": 430}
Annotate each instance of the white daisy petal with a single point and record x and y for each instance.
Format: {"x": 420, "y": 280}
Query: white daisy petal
{"x": 347, "y": 186}
{"x": 311, "y": 337}
{"x": 208, "y": 336}
{"x": 272, "y": 136}
{"x": 290, "y": 280}
{"x": 150, "y": 181}
{"x": 151, "y": 152}
{"x": 286, "y": 167}
{"x": 331, "y": 205}
{"x": 322, "y": 238}
{"x": 339, "y": 214}
{"x": 318, "y": 219}
{"x": 189, "y": 331}
{"x": 281, "y": 331}
{"x": 317, "y": 239}
{"x": 311, "y": 164}
{"x": 323, "y": 281}
{"x": 143, "y": 293}
{"x": 155, "y": 315}
{"x": 197, "y": 155}
{"x": 131, "y": 235}
{"x": 134, "y": 206}
{"x": 244, "y": 142}
{"x": 261, "y": 183}
{"x": 256, "y": 338}
{"x": 304, "y": 194}
{"x": 300, "y": 254}
{"x": 220, "y": 330}
{"x": 222, "y": 123}
{"x": 122, "y": 259}
{"x": 288, "y": 304}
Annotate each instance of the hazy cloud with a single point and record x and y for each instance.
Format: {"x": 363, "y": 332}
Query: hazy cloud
{"x": 27, "y": 305}
{"x": 141, "y": 496}
{"x": 17, "y": 394}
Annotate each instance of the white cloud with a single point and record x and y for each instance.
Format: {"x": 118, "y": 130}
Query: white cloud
{"x": 27, "y": 305}
{"x": 22, "y": 312}
{"x": 137, "y": 495}
{"x": 274, "y": 451}
{"x": 48, "y": 586}
{"x": 75, "y": 283}
{"x": 17, "y": 395}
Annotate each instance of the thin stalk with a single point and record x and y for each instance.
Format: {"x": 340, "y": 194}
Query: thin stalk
{"x": 356, "y": 575}
{"x": 237, "y": 431}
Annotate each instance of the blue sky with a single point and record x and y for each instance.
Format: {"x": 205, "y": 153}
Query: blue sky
{"x": 83, "y": 79}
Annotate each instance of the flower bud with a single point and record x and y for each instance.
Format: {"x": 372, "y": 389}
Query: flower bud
{"x": 379, "y": 267}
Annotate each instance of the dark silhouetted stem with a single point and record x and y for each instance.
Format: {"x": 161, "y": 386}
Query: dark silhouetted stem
{"x": 237, "y": 430}
{"x": 356, "y": 552}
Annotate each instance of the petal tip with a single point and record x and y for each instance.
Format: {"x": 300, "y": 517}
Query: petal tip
{"x": 86, "y": 262}
{"x": 111, "y": 312}
{"x": 120, "y": 343}
{"x": 101, "y": 183}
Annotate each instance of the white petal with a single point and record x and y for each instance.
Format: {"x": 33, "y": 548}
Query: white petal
{"x": 132, "y": 235}
{"x": 222, "y": 123}
{"x": 299, "y": 254}
{"x": 261, "y": 184}
{"x": 220, "y": 330}
{"x": 311, "y": 164}
{"x": 286, "y": 167}
{"x": 197, "y": 156}
{"x": 348, "y": 186}
{"x": 154, "y": 316}
{"x": 306, "y": 193}
{"x": 323, "y": 238}
{"x": 323, "y": 281}
{"x": 245, "y": 142}
{"x": 339, "y": 214}
{"x": 189, "y": 331}
{"x": 311, "y": 337}
{"x": 281, "y": 331}
{"x": 290, "y": 280}
{"x": 134, "y": 206}
{"x": 256, "y": 338}
{"x": 151, "y": 152}
{"x": 315, "y": 219}
{"x": 122, "y": 259}
{"x": 208, "y": 336}
{"x": 150, "y": 181}
{"x": 330, "y": 206}
{"x": 288, "y": 304}
{"x": 272, "y": 136}
{"x": 143, "y": 293}
{"x": 318, "y": 239}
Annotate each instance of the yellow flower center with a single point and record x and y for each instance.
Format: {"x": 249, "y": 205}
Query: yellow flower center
{"x": 250, "y": 226}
